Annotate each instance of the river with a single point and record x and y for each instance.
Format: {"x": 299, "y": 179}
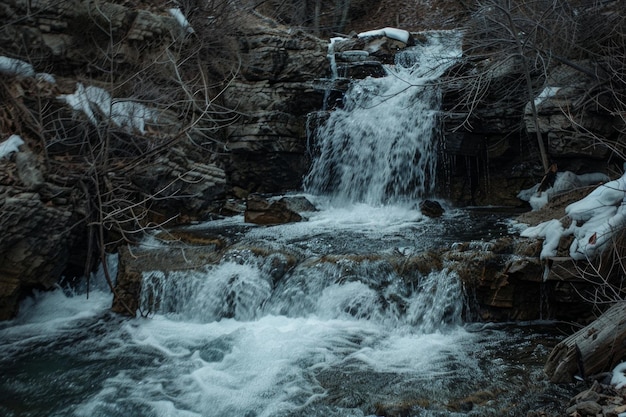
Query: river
{"x": 342, "y": 333}
{"x": 320, "y": 318}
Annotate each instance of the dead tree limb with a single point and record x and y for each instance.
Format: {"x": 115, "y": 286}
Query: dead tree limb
{"x": 596, "y": 348}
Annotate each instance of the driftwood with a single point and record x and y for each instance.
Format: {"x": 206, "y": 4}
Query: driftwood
{"x": 592, "y": 350}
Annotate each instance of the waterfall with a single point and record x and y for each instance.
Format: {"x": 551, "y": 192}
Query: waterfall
{"x": 381, "y": 146}
{"x": 329, "y": 288}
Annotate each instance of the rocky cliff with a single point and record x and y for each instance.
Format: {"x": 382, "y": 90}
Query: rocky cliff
{"x": 131, "y": 116}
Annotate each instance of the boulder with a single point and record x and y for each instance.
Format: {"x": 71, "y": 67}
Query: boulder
{"x": 298, "y": 203}
{"x": 35, "y": 245}
{"x": 431, "y": 208}
{"x": 263, "y": 211}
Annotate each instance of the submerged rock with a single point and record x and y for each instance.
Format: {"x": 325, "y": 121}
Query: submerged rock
{"x": 431, "y": 208}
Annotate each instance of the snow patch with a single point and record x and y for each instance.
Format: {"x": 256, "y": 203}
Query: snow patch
{"x": 564, "y": 181}
{"x": 595, "y": 221}
{"x": 10, "y": 146}
{"x": 547, "y": 93}
{"x": 177, "y": 14}
{"x": 132, "y": 115}
{"x": 619, "y": 378}
{"x": 95, "y": 103}
{"x": 12, "y": 66}
{"x": 392, "y": 33}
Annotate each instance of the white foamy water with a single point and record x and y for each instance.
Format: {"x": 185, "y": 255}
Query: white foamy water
{"x": 333, "y": 336}
{"x": 262, "y": 368}
{"x": 382, "y": 145}
{"x": 316, "y": 319}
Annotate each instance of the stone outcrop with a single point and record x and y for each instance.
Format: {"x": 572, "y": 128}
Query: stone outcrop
{"x": 273, "y": 95}
{"x": 567, "y": 122}
{"x": 175, "y": 167}
{"x": 492, "y": 150}
{"x": 265, "y": 211}
{"x": 38, "y": 242}
{"x": 57, "y": 36}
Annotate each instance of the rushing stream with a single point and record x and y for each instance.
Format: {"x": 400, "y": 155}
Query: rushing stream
{"x": 321, "y": 318}
{"x": 381, "y": 147}
{"x": 341, "y": 333}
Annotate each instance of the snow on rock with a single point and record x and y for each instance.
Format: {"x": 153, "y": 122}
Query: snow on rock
{"x": 10, "y": 146}
{"x": 595, "y": 221}
{"x": 96, "y": 103}
{"x": 177, "y": 14}
{"x": 132, "y": 115}
{"x": 609, "y": 194}
{"x": 564, "y": 181}
{"x": 619, "y": 377}
{"x": 12, "y": 66}
{"x": 392, "y": 33}
{"x": 545, "y": 94}
{"x": 551, "y": 231}
{"x": 603, "y": 213}
{"x": 87, "y": 100}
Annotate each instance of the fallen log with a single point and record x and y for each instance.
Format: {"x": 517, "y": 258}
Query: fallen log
{"x": 594, "y": 349}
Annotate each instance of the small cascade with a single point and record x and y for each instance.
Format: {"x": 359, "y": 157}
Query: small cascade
{"x": 381, "y": 146}
{"x": 229, "y": 290}
{"x": 331, "y": 58}
{"x": 438, "y": 301}
{"x": 327, "y": 288}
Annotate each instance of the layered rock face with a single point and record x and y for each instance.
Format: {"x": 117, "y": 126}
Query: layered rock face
{"x": 273, "y": 95}
{"x": 173, "y": 154}
{"x": 491, "y": 140}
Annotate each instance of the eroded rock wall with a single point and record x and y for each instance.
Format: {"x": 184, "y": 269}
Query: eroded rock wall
{"x": 241, "y": 126}
{"x": 490, "y": 139}
{"x": 273, "y": 96}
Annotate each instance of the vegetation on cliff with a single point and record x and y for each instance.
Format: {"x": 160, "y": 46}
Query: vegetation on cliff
{"x": 533, "y": 64}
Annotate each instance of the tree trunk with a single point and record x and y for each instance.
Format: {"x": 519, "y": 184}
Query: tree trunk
{"x": 591, "y": 350}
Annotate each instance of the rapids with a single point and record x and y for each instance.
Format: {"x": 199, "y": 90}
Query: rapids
{"x": 349, "y": 337}
{"x": 319, "y": 318}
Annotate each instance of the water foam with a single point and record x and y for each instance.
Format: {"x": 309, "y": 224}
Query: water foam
{"x": 265, "y": 367}
{"x": 381, "y": 147}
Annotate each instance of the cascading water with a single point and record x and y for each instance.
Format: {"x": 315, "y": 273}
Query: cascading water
{"x": 381, "y": 146}
{"x": 341, "y": 288}
{"x": 324, "y": 318}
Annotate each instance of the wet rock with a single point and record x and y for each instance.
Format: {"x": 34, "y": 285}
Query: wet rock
{"x": 34, "y": 248}
{"x": 263, "y": 211}
{"x": 361, "y": 70}
{"x": 431, "y": 208}
{"x": 585, "y": 408}
{"x": 299, "y": 204}
{"x": 135, "y": 262}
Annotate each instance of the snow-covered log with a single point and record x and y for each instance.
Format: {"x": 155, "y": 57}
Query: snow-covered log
{"x": 594, "y": 349}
